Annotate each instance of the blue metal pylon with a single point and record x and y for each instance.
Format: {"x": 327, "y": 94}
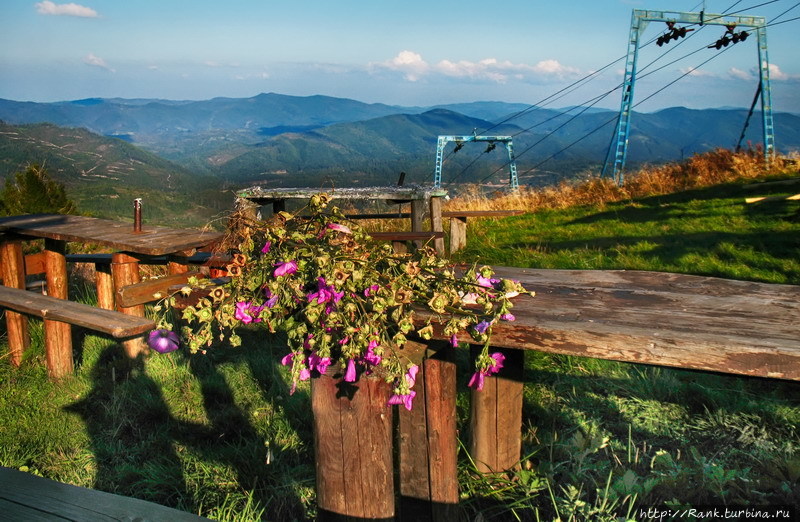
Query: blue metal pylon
{"x": 460, "y": 140}
{"x": 640, "y": 18}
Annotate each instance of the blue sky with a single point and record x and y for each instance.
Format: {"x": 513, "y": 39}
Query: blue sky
{"x": 415, "y": 52}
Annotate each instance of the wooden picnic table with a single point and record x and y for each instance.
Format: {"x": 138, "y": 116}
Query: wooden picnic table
{"x": 422, "y": 199}
{"x": 57, "y": 230}
{"x": 675, "y": 320}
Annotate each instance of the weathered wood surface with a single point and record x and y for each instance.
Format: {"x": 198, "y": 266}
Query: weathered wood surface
{"x": 353, "y": 448}
{"x": 405, "y": 193}
{"x": 684, "y": 321}
{"x": 25, "y": 497}
{"x": 57, "y": 334}
{"x": 54, "y": 309}
{"x": 153, "y": 289}
{"x": 480, "y": 213}
{"x": 13, "y": 272}
{"x": 151, "y": 240}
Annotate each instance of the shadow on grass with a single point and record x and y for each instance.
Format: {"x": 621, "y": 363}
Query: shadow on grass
{"x": 135, "y": 438}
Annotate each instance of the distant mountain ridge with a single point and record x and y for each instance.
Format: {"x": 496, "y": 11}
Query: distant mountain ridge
{"x": 277, "y": 139}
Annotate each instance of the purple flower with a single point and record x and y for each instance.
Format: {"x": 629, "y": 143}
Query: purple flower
{"x": 484, "y": 281}
{"x": 266, "y": 247}
{"x": 163, "y": 341}
{"x": 325, "y": 293}
{"x": 285, "y": 268}
{"x": 350, "y": 374}
{"x": 482, "y": 326}
{"x": 508, "y": 317}
{"x": 405, "y": 400}
{"x": 371, "y": 357}
{"x": 315, "y": 362}
{"x": 498, "y": 359}
{"x": 271, "y": 299}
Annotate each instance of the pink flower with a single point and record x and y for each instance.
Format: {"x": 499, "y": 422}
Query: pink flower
{"x": 508, "y": 317}
{"x": 287, "y": 359}
{"x": 497, "y": 365}
{"x": 350, "y": 374}
{"x": 320, "y": 364}
{"x": 371, "y": 290}
{"x": 266, "y": 247}
{"x": 325, "y": 293}
{"x": 163, "y": 341}
{"x": 476, "y": 381}
{"x": 371, "y": 357}
{"x": 285, "y": 268}
{"x": 339, "y": 228}
{"x": 406, "y": 399}
{"x": 242, "y": 312}
{"x": 411, "y": 375}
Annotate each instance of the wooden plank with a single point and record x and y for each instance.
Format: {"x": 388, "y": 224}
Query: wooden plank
{"x": 480, "y": 213}
{"x": 47, "y": 307}
{"x": 427, "y": 438}
{"x": 152, "y": 289}
{"x": 436, "y": 224}
{"x": 353, "y": 448}
{"x": 30, "y": 498}
{"x": 496, "y": 416}
{"x": 13, "y": 272}
{"x": 677, "y": 320}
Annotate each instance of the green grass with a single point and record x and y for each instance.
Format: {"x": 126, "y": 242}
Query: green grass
{"x": 220, "y": 436}
{"x": 710, "y": 231}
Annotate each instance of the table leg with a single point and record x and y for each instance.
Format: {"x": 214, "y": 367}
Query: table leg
{"x": 104, "y": 283}
{"x": 496, "y": 416}
{"x": 13, "y": 263}
{"x": 428, "y": 445}
{"x": 353, "y": 448}
{"x": 57, "y": 335}
{"x": 458, "y": 234}
{"x": 436, "y": 223}
{"x": 125, "y": 271}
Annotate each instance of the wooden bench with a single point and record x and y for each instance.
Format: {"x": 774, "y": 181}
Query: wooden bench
{"x": 27, "y": 497}
{"x": 57, "y": 311}
{"x": 400, "y": 239}
{"x": 458, "y": 223}
{"x": 673, "y": 320}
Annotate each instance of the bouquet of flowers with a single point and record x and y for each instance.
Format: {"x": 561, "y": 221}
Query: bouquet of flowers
{"x": 341, "y": 298}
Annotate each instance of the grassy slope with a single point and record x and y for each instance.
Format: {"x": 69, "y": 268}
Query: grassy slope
{"x": 220, "y": 435}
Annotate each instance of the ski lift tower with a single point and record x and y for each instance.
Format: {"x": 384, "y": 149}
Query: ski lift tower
{"x": 461, "y": 140}
{"x": 732, "y": 23}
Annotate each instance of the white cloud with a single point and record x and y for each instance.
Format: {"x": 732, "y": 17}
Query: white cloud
{"x": 775, "y": 73}
{"x": 96, "y": 61}
{"x": 739, "y": 74}
{"x": 697, "y": 73}
{"x": 50, "y": 8}
{"x": 414, "y": 67}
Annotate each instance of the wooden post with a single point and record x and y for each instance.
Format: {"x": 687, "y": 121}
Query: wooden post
{"x": 353, "y": 448}
{"x": 125, "y": 271}
{"x": 428, "y": 446}
{"x": 14, "y": 276}
{"x": 496, "y": 415}
{"x": 436, "y": 224}
{"x": 177, "y": 264}
{"x": 458, "y": 233}
{"x": 104, "y": 282}
{"x": 57, "y": 335}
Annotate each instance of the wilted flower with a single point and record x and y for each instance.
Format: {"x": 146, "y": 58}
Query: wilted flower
{"x": 163, "y": 341}
{"x": 339, "y": 228}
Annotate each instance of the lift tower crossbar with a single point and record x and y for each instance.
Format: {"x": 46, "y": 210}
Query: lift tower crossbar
{"x": 639, "y": 21}
{"x": 461, "y": 140}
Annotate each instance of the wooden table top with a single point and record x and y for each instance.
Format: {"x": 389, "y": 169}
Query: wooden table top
{"x": 152, "y": 240}
{"x": 678, "y": 320}
{"x": 398, "y": 193}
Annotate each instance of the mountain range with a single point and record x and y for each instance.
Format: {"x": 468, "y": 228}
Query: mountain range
{"x": 279, "y": 140}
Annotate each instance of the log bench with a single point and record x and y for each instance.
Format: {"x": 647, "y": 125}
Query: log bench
{"x": 458, "y": 223}
{"x": 55, "y": 311}
{"x": 673, "y": 320}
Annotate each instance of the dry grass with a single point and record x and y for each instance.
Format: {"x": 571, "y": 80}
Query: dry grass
{"x": 702, "y": 170}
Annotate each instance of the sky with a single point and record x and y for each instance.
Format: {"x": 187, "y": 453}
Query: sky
{"x": 410, "y": 53}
